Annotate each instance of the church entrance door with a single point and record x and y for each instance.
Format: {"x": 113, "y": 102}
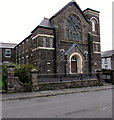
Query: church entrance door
{"x": 74, "y": 64}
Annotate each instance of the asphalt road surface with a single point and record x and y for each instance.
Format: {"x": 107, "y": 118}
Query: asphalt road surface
{"x": 95, "y": 104}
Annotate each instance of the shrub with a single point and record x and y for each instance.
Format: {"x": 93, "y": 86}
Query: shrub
{"x": 3, "y": 75}
{"x": 23, "y": 72}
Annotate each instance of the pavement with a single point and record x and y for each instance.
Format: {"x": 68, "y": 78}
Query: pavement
{"x": 28, "y": 95}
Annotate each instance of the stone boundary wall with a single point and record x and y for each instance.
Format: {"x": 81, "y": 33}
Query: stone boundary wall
{"x": 20, "y": 87}
{"x": 14, "y": 85}
{"x": 63, "y": 85}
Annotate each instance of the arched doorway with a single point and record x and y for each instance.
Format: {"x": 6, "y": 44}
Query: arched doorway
{"x": 73, "y": 64}
{"x": 76, "y": 63}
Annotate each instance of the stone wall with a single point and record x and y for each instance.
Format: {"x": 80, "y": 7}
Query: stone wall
{"x": 14, "y": 85}
{"x": 63, "y": 85}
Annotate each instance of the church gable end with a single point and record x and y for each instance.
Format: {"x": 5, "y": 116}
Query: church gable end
{"x": 69, "y": 6}
{"x": 60, "y": 21}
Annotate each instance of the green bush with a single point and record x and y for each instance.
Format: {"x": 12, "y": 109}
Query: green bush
{"x": 23, "y": 72}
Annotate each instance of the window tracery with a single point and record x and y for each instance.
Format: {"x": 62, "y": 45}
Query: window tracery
{"x": 73, "y": 30}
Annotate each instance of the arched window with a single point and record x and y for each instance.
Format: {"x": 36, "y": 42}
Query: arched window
{"x": 94, "y": 21}
{"x": 73, "y": 27}
{"x": 93, "y": 25}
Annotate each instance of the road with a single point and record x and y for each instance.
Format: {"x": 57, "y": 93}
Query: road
{"x": 95, "y": 104}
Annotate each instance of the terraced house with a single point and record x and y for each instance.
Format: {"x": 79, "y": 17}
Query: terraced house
{"x": 68, "y": 43}
{"x": 7, "y": 52}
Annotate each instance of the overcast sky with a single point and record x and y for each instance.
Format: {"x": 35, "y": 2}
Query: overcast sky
{"x": 19, "y": 17}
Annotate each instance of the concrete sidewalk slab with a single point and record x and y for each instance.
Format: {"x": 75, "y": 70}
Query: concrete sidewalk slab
{"x": 28, "y": 95}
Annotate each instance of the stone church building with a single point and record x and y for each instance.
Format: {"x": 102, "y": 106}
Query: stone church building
{"x": 67, "y": 43}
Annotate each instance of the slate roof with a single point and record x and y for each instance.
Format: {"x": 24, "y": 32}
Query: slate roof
{"x": 7, "y": 45}
{"x": 91, "y": 10}
{"x": 45, "y": 23}
{"x": 107, "y": 53}
{"x": 74, "y": 45}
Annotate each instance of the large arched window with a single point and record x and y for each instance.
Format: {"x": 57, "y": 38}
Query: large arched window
{"x": 73, "y": 27}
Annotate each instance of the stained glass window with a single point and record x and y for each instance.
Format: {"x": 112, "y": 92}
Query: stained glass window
{"x": 73, "y": 30}
{"x": 67, "y": 33}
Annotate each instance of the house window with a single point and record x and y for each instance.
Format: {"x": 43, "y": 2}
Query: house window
{"x": 105, "y": 61}
{"x": 106, "y": 66}
{"x": 26, "y": 45}
{"x": 23, "y": 47}
{"x": 44, "y": 42}
{"x": 96, "y": 47}
{"x": 47, "y": 42}
{"x": 19, "y": 50}
{"x": 35, "y": 42}
{"x": 7, "y": 52}
{"x": 51, "y": 42}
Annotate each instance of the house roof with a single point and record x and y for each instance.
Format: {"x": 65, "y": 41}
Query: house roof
{"x": 7, "y": 45}
{"x": 91, "y": 10}
{"x": 69, "y": 4}
{"x": 45, "y": 23}
{"x": 74, "y": 45}
{"x": 107, "y": 53}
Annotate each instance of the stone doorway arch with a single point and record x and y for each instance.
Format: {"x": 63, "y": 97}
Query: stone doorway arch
{"x": 76, "y": 63}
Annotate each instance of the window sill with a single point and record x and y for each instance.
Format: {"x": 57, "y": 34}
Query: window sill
{"x": 45, "y": 48}
{"x": 7, "y": 56}
{"x": 97, "y": 52}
